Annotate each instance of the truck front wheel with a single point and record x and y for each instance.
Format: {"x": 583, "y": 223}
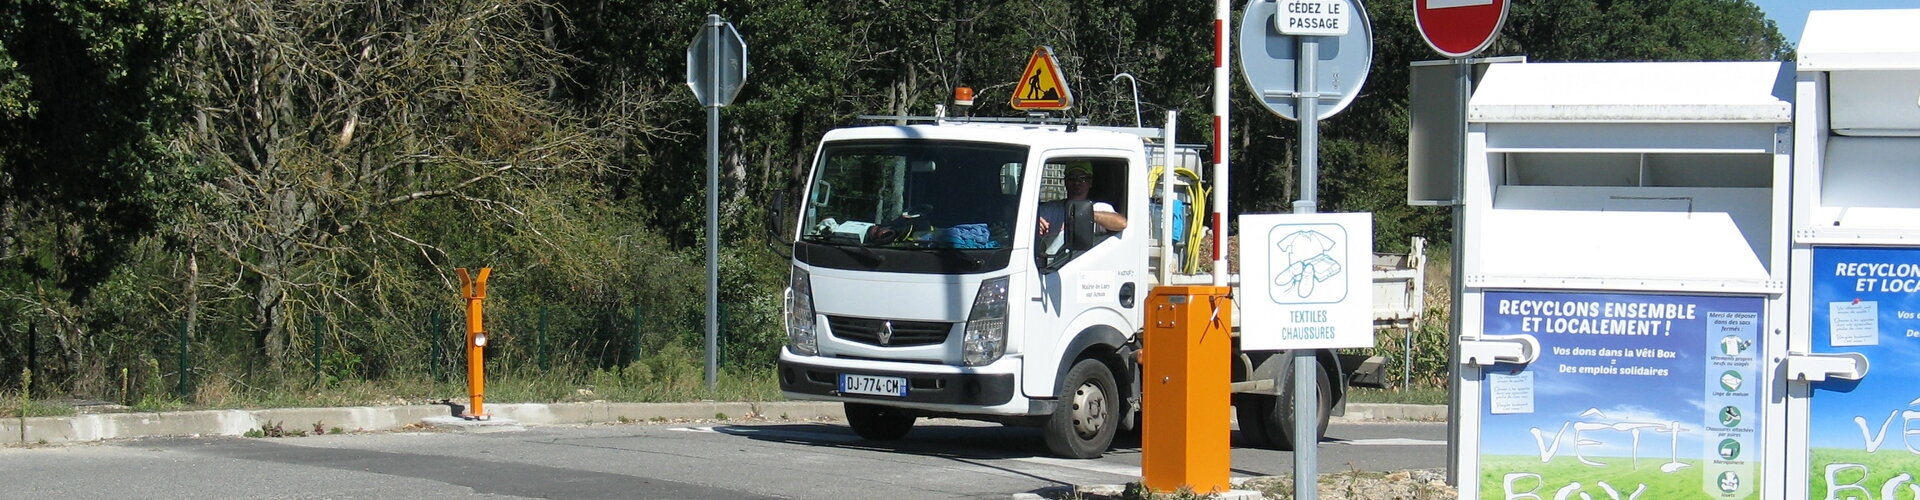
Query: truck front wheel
{"x": 878, "y": 423}
{"x": 1083, "y": 423}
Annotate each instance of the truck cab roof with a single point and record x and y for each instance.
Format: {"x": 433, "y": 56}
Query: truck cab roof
{"x": 1036, "y": 136}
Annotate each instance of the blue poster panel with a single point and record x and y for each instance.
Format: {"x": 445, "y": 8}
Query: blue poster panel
{"x": 1864, "y": 436}
{"x": 1633, "y": 396}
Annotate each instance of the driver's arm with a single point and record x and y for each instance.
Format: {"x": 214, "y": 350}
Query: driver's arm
{"x": 1112, "y": 221}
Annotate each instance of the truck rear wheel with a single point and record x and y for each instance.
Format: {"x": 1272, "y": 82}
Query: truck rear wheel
{"x": 1083, "y": 423}
{"x": 1250, "y": 410}
{"x": 1266, "y": 421}
{"x": 878, "y": 423}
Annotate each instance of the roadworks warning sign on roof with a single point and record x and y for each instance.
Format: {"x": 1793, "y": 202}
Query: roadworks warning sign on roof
{"x": 1042, "y": 87}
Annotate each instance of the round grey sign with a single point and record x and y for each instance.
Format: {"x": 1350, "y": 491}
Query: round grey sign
{"x": 1269, "y": 61}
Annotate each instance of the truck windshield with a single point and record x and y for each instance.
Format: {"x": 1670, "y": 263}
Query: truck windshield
{"x": 915, "y": 194}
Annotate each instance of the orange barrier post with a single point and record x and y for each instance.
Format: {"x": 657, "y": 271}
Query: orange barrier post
{"x": 1186, "y": 436}
{"x": 475, "y": 289}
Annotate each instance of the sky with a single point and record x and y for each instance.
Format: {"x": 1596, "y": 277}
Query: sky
{"x": 1791, "y": 15}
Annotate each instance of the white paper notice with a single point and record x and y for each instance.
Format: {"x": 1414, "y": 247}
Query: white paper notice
{"x": 1854, "y": 323}
{"x": 1510, "y": 393}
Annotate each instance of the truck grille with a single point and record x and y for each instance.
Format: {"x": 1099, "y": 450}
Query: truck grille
{"x": 898, "y": 334}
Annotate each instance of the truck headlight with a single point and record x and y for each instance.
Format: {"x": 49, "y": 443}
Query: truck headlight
{"x": 986, "y": 336}
{"x": 800, "y": 332}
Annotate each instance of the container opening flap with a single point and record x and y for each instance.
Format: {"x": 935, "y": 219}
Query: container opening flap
{"x": 1874, "y": 103}
{"x": 1868, "y": 39}
{"x": 1865, "y": 181}
{"x": 1639, "y": 169}
{"x": 1706, "y": 234}
{"x": 1634, "y": 92}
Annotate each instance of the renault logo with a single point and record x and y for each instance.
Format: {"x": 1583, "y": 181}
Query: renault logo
{"x": 886, "y": 332}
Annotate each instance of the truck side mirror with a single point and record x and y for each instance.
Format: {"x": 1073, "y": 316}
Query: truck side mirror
{"x": 776, "y": 227}
{"x": 1080, "y": 228}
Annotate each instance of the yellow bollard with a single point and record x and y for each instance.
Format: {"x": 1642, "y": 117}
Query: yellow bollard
{"x": 1186, "y": 437}
{"x": 475, "y": 289}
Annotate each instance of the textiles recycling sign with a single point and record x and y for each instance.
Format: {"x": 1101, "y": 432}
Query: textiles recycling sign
{"x": 1307, "y": 284}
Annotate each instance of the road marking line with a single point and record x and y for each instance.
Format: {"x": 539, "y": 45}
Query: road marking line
{"x": 1391, "y": 442}
{"x": 1085, "y": 465}
{"x": 1096, "y": 466}
{"x": 737, "y": 430}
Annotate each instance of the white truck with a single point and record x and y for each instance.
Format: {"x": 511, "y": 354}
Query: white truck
{"x": 921, "y": 287}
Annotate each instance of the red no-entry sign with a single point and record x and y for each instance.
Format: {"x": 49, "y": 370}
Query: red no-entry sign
{"x": 1459, "y": 28}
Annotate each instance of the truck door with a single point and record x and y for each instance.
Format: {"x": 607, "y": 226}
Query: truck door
{"x": 1078, "y": 290}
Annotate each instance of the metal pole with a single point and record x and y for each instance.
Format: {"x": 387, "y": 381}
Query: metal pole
{"x": 1308, "y": 102}
{"x": 186, "y": 384}
{"x": 1136, "y": 97}
{"x": 1463, "y": 81}
{"x": 713, "y": 198}
{"x": 634, "y": 352}
{"x": 33, "y": 346}
{"x": 1306, "y": 397}
{"x": 1453, "y": 350}
{"x": 319, "y": 349}
{"x": 1222, "y": 14}
{"x": 436, "y": 359}
{"x": 1170, "y": 161}
{"x": 474, "y": 288}
{"x": 1406, "y": 353}
{"x": 544, "y": 366}
{"x": 26, "y": 399}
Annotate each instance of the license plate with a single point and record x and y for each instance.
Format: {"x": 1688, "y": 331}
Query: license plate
{"x": 874, "y": 385}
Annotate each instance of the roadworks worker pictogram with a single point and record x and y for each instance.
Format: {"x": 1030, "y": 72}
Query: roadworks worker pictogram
{"x": 1042, "y": 86}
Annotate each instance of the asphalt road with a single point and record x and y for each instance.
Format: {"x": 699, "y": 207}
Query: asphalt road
{"x": 940, "y": 459}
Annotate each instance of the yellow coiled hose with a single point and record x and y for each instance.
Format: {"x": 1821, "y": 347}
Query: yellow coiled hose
{"x": 1196, "y": 210}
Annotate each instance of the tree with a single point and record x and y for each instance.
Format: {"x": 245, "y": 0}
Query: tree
{"x": 274, "y": 168}
{"x": 86, "y": 105}
{"x": 366, "y": 148}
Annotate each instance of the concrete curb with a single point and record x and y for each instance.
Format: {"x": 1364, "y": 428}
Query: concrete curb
{"x": 104, "y": 426}
{"x": 587, "y": 413}
{"x": 457, "y": 424}
{"x": 101, "y": 426}
{"x": 1376, "y": 412}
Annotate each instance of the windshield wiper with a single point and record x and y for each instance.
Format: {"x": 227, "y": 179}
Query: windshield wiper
{"x": 865, "y": 253}
{"x": 967, "y": 261}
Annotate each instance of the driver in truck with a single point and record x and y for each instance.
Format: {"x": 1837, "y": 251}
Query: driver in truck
{"x": 1079, "y": 181}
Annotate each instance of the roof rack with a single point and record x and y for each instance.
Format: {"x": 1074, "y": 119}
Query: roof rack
{"x": 1072, "y": 124}
{"x": 1031, "y": 118}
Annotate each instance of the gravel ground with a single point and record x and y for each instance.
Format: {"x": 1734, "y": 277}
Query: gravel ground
{"x": 1418, "y": 484}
